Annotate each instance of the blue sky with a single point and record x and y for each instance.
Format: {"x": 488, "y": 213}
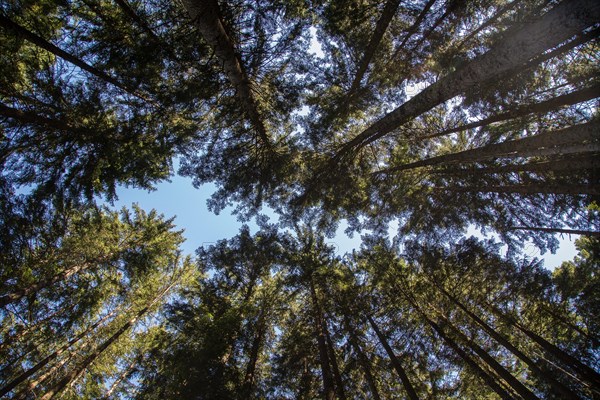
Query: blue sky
{"x": 180, "y": 199}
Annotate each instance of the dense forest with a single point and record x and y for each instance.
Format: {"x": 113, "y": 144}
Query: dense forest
{"x": 311, "y": 109}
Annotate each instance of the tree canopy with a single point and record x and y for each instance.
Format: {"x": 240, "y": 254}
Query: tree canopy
{"x": 433, "y": 116}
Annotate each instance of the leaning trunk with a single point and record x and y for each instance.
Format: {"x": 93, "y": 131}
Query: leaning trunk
{"x": 410, "y": 390}
{"x": 553, "y": 28}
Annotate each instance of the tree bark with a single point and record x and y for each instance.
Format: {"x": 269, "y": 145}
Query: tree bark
{"x": 565, "y": 392}
{"x": 334, "y": 366}
{"x": 558, "y": 230}
{"x": 363, "y": 360}
{"x": 257, "y": 342}
{"x": 410, "y": 390}
{"x": 328, "y": 388}
{"x": 556, "y": 26}
{"x": 207, "y": 17}
{"x": 41, "y": 364}
{"x": 576, "y": 163}
{"x": 541, "y": 107}
{"x": 44, "y": 44}
{"x": 503, "y": 10}
{"x": 386, "y": 17}
{"x": 585, "y": 372}
{"x": 547, "y": 142}
{"x": 128, "y": 371}
{"x": 20, "y": 293}
{"x": 77, "y": 371}
{"x": 593, "y": 190}
{"x": 413, "y": 28}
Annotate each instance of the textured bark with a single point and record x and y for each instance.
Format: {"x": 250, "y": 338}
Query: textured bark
{"x": 207, "y": 17}
{"x": 72, "y": 375}
{"x": 565, "y": 392}
{"x": 584, "y": 372}
{"x": 552, "y": 142}
{"x": 384, "y": 20}
{"x": 542, "y": 107}
{"x": 44, "y": 44}
{"x": 519, "y": 47}
{"x": 44, "y": 362}
{"x": 410, "y": 390}
{"x": 328, "y": 387}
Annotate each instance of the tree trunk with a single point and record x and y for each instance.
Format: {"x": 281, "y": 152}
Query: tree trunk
{"x": 576, "y": 163}
{"x": 44, "y": 44}
{"x": 559, "y": 230}
{"x": 452, "y": 5}
{"x": 503, "y": 10}
{"x": 546, "y": 142}
{"x": 24, "y": 393}
{"x": 384, "y": 20}
{"x": 410, "y": 390}
{"x": 565, "y": 392}
{"x": 44, "y": 362}
{"x": 128, "y": 371}
{"x": 541, "y": 107}
{"x": 20, "y": 293}
{"x": 334, "y": 365}
{"x": 413, "y": 28}
{"x": 257, "y": 343}
{"x": 28, "y": 117}
{"x": 328, "y": 389}
{"x": 532, "y": 189}
{"x": 207, "y": 17}
{"x": 585, "y": 372}
{"x": 556, "y": 26}
{"x": 77, "y": 371}
{"x": 362, "y": 358}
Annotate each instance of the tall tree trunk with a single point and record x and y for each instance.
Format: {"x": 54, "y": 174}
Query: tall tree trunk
{"x": 452, "y": 5}
{"x": 532, "y": 145}
{"x": 44, "y": 44}
{"x": 413, "y": 28}
{"x": 529, "y": 189}
{"x": 574, "y": 163}
{"x": 410, "y": 390}
{"x": 339, "y": 384}
{"x": 12, "y": 339}
{"x": 26, "y": 392}
{"x": 124, "y": 375}
{"x": 44, "y": 362}
{"x": 559, "y": 230}
{"x": 503, "y": 10}
{"x": 578, "y": 96}
{"x": 127, "y": 9}
{"x": 20, "y": 293}
{"x": 328, "y": 388}
{"x": 556, "y": 26}
{"x": 257, "y": 342}
{"x": 565, "y": 392}
{"x": 362, "y": 358}
{"x": 207, "y": 17}
{"x": 72, "y": 375}
{"x": 389, "y": 10}
{"x": 585, "y": 372}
